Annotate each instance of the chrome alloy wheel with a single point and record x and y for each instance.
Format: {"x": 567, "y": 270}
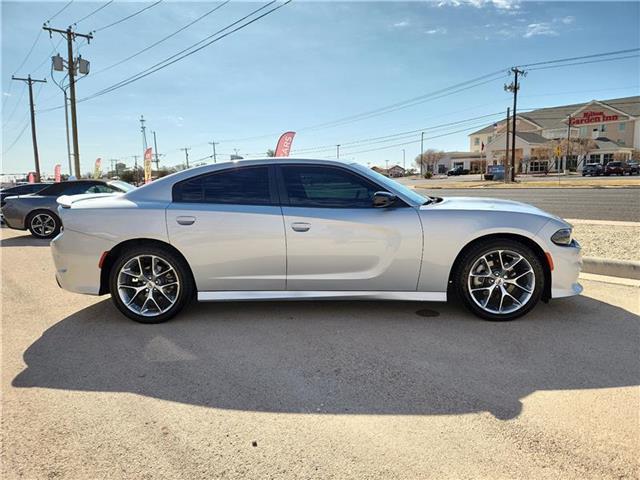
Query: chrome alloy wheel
{"x": 148, "y": 285}
{"x": 501, "y": 282}
{"x": 43, "y": 224}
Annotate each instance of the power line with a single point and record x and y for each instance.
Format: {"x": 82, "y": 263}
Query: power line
{"x": 25, "y": 125}
{"x": 93, "y": 12}
{"x": 161, "y": 40}
{"x": 26, "y": 57}
{"x": 15, "y": 107}
{"x": 127, "y": 17}
{"x": 570, "y": 59}
{"x": 584, "y": 63}
{"x": 179, "y": 56}
{"x": 60, "y": 11}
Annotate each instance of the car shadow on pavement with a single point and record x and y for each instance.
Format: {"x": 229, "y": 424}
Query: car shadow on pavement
{"x": 340, "y": 357}
{"x": 24, "y": 241}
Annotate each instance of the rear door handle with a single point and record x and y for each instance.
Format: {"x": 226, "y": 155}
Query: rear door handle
{"x": 185, "y": 220}
{"x": 300, "y": 226}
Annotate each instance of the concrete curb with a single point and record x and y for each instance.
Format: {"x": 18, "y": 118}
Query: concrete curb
{"x": 611, "y": 268}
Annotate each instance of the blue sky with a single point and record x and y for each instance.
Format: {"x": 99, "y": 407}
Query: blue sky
{"x": 307, "y": 64}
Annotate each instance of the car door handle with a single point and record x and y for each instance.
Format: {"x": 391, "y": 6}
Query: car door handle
{"x": 300, "y": 226}
{"x": 185, "y": 220}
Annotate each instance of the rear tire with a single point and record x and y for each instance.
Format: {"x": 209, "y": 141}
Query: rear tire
{"x": 499, "y": 279}
{"x": 150, "y": 284}
{"x": 43, "y": 224}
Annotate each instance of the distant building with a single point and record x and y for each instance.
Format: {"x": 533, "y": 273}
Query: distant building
{"x": 396, "y": 171}
{"x": 612, "y": 125}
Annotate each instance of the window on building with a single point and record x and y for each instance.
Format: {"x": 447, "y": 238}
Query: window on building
{"x": 603, "y": 128}
{"x": 583, "y": 132}
{"x": 607, "y": 157}
{"x": 622, "y": 126}
{"x": 594, "y": 158}
{"x": 476, "y": 141}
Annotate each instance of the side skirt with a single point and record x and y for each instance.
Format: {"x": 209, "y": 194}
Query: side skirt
{"x": 220, "y": 296}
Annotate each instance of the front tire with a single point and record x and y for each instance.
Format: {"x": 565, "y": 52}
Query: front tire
{"x": 499, "y": 279}
{"x": 43, "y": 224}
{"x": 150, "y": 284}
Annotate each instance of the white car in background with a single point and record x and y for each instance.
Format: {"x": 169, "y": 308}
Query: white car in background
{"x": 276, "y": 229}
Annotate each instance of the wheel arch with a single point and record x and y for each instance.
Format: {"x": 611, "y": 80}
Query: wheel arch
{"x": 537, "y": 249}
{"x": 114, "y": 253}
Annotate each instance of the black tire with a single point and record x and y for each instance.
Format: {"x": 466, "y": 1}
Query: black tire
{"x": 38, "y": 229}
{"x": 182, "y": 274}
{"x": 463, "y": 268}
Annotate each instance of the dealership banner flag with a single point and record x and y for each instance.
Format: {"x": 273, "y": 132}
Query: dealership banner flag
{"x": 97, "y": 171}
{"x": 56, "y": 172}
{"x": 31, "y": 178}
{"x": 148, "y": 153}
{"x": 284, "y": 144}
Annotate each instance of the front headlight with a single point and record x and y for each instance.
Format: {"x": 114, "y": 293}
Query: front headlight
{"x": 562, "y": 237}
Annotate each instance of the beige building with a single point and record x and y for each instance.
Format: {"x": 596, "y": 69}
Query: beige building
{"x": 612, "y": 125}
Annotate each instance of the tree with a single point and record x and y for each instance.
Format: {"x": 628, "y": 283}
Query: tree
{"x": 429, "y": 159}
{"x": 271, "y": 153}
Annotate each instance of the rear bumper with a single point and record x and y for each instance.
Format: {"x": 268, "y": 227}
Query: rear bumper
{"x": 76, "y": 256}
{"x": 12, "y": 219}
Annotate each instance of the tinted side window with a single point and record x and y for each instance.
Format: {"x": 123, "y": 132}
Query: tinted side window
{"x": 78, "y": 188}
{"x": 101, "y": 188}
{"x": 317, "y": 186}
{"x": 55, "y": 189}
{"x": 241, "y": 186}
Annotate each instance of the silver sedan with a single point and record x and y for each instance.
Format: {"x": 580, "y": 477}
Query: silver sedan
{"x": 292, "y": 229}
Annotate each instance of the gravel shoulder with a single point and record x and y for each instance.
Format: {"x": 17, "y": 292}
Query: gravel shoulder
{"x": 617, "y": 242}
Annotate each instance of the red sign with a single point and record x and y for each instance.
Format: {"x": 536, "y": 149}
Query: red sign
{"x": 31, "y": 178}
{"x": 56, "y": 172}
{"x": 593, "y": 117}
{"x": 284, "y": 144}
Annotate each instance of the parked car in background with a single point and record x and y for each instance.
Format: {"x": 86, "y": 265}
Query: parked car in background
{"x": 635, "y": 168}
{"x": 617, "y": 168}
{"x": 593, "y": 169}
{"x": 37, "y": 211}
{"x": 23, "y": 189}
{"x": 459, "y": 170}
{"x": 294, "y": 229}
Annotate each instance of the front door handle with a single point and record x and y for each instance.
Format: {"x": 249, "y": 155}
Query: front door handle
{"x": 300, "y": 226}
{"x": 185, "y": 220}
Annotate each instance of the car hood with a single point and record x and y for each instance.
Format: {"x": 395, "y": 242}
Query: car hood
{"x": 481, "y": 204}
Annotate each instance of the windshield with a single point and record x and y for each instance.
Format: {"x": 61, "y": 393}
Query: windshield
{"x": 120, "y": 185}
{"x": 393, "y": 185}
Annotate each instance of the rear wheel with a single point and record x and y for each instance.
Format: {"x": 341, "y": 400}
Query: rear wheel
{"x": 44, "y": 224}
{"x": 150, "y": 284}
{"x": 500, "y": 279}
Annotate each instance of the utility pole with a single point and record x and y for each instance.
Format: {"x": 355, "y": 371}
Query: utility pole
{"x": 514, "y": 87}
{"x": 421, "y": 150}
{"x": 70, "y": 35}
{"x": 112, "y": 160}
{"x": 155, "y": 151}
{"x": 135, "y": 169}
{"x": 186, "y": 154}
{"x": 213, "y": 144}
{"x": 507, "y": 170}
{"x": 566, "y": 161}
{"x": 143, "y": 129}
{"x": 337, "y": 151}
{"x": 30, "y": 81}
{"x": 404, "y": 160}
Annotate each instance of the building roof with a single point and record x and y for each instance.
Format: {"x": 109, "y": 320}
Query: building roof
{"x": 531, "y": 137}
{"x": 554, "y": 117}
{"x": 462, "y": 154}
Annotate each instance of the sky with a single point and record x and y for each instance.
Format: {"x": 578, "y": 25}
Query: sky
{"x": 301, "y": 68}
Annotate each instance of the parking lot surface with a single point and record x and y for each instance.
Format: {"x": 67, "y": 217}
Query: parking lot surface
{"x": 338, "y": 390}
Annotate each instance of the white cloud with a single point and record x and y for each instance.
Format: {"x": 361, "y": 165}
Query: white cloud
{"x": 499, "y": 4}
{"x": 436, "y": 31}
{"x": 540, "y": 29}
{"x": 402, "y": 24}
{"x": 568, "y": 20}
{"x": 6, "y": 94}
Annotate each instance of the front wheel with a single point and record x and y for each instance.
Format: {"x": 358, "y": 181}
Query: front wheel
{"x": 44, "y": 224}
{"x": 500, "y": 279}
{"x": 150, "y": 284}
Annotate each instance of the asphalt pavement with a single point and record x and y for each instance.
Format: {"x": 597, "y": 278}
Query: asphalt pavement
{"x": 619, "y": 204}
{"x": 340, "y": 390}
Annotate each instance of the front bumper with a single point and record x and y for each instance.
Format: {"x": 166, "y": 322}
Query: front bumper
{"x": 76, "y": 256}
{"x": 567, "y": 263}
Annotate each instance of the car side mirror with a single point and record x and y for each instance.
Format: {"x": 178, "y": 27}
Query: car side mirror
{"x": 383, "y": 199}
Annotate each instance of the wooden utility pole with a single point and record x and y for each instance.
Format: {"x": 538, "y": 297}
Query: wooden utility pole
{"x": 507, "y": 170}
{"x": 30, "y": 81}
{"x": 213, "y": 144}
{"x": 337, "y": 151}
{"x": 155, "y": 151}
{"x": 421, "y": 152}
{"x": 70, "y": 36}
{"x": 514, "y": 87}
{"x": 186, "y": 154}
